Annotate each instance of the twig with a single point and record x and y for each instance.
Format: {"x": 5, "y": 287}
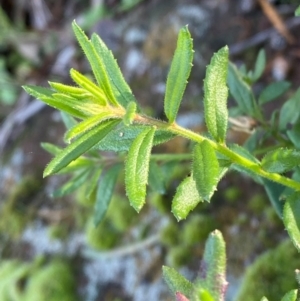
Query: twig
{"x": 123, "y": 251}
{"x": 260, "y": 38}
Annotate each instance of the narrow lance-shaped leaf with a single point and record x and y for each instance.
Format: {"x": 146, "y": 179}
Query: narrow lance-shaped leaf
{"x": 79, "y": 147}
{"x": 65, "y": 103}
{"x": 179, "y": 73}
{"x": 260, "y": 65}
{"x": 241, "y": 92}
{"x": 120, "y": 88}
{"x": 87, "y": 125}
{"x": 96, "y": 63}
{"x": 137, "y": 168}
{"x": 291, "y": 218}
{"x": 215, "y": 95}
{"x": 297, "y": 12}
{"x": 186, "y": 198}
{"x": 281, "y": 160}
{"x": 205, "y": 169}
{"x": 105, "y": 192}
{"x": 176, "y": 282}
{"x": 89, "y": 86}
{"x": 70, "y": 90}
{"x": 213, "y": 267}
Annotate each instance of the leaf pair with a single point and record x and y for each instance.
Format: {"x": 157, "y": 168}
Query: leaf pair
{"x": 211, "y": 283}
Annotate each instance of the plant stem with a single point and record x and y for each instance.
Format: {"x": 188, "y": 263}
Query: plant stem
{"x": 221, "y": 148}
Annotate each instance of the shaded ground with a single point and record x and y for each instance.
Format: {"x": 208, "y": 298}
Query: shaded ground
{"x": 37, "y": 45}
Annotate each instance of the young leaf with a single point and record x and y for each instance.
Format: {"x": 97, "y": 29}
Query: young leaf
{"x": 137, "y": 168}
{"x": 87, "y": 125}
{"x": 74, "y": 183}
{"x": 291, "y": 218}
{"x": 179, "y": 73}
{"x": 105, "y": 192}
{"x": 274, "y": 192}
{"x": 186, "y": 198}
{"x": 176, "y": 282}
{"x": 130, "y": 113}
{"x": 120, "y": 88}
{"x": 260, "y": 65}
{"x": 76, "y": 92}
{"x": 281, "y": 160}
{"x": 273, "y": 91}
{"x": 290, "y": 112}
{"x": 89, "y": 86}
{"x": 80, "y": 146}
{"x": 96, "y": 63}
{"x": 241, "y": 91}
{"x": 215, "y": 95}
{"x": 205, "y": 169}
{"x": 290, "y": 296}
{"x": 213, "y": 267}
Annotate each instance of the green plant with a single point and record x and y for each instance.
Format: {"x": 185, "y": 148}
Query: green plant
{"x": 105, "y": 116}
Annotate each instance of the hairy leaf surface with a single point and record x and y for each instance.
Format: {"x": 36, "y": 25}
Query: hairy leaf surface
{"x": 281, "y": 160}
{"x": 105, "y": 191}
{"x": 205, "y": 169}
{"x": 96, "y": 63}
{"x": 79, "y": 147}
{"x": 179, "y": 73}
{"x": 186, "y": 198}
{"x": 176, "y": 282}
{"x": 89, "y": 86}
{"x": 120, "y": 89}
{"x": 137, "y": 168}
{"x": 87, "y": 125}
{"x": 291, "y": 218}
{"x": 215, "y": 95}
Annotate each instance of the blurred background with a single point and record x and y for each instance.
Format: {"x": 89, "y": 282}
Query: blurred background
{"x": 49, "y": 248}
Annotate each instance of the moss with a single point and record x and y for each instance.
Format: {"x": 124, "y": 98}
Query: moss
{"x": 197, "y": 228}
{"x": 102, "y": 237}
{"x": 21, "y": 281}
{"x": 271, "y": 275}
{"x": 13, "y": 209}
{"x": 51, "y": 283}
{"x": 170, "y": 234}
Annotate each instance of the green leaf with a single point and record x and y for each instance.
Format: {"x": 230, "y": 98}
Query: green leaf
{"x": 274, "y": 192}
{"x": 241, "y": 91}
{"x": 297, "y": 12}
{"x": 176, "y": 282}
{"x": 121, "y": 138}
{"x": 291, "y": 218}
{"x": 51, "y": 148}
{"x": 89, "y": 86}
{"x": 96, "y": 63}
{"x": 290, "y": 296}
{"x": 264, "y": 299}
{"x": 120, "y": 89}
{"x": 105, "y": 192}
{"x": 186, "y": 198}
{"x": 290, "y": 112}
{"x": 281, "y": 160}
{"x": 216, "y": 94}
{"x": 213, "y": 272}
{"x": 87, "y": 125}
{"x": 179, "y": 73}
{"x": 80, "y": 146}
{"x": 273, "y": 91}
{"x": 205, "y": 169}
{"x": 130, "y": 113}
{"x": 93, "y": 181}
{"x": 260, "y": 65}
{"x": 68, "y": 120}
{"x": 156, "y": 179}
{"x": 137, "y": 168}
{"x": 75, "y": 92}
{"x": 294, "y": 134}
{"x": 74, "y": 183}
